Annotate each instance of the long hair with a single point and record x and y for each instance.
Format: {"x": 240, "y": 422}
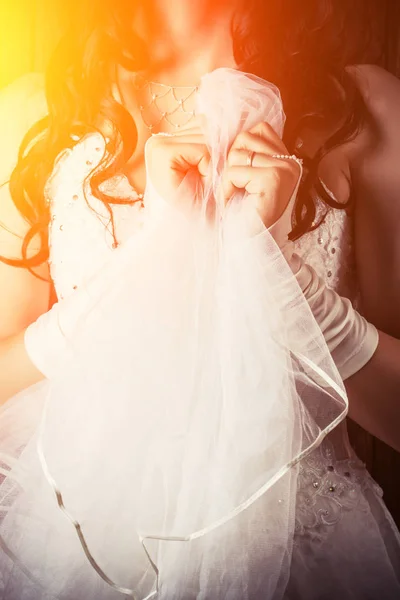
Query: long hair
{"x": 298, "y": 46}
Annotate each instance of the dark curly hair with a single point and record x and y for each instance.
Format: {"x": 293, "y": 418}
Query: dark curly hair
{"x": 299, "y": 46}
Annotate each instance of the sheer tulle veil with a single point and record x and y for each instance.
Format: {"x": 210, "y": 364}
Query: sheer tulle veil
{"x": 161, "y": 458}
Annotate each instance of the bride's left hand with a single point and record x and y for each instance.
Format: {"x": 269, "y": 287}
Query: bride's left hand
{"x": 251, "y": 166}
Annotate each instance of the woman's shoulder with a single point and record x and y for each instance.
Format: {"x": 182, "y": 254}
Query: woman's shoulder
{"x": 377, "y": 142}
{"x": 380, "y": 91}
{"x": 31, "y": 82}
{"x": 23, "y": 100}
{"x": 22, "y": 104}
{"x": 368, "y": 75}
{"x": 375, "y": 177}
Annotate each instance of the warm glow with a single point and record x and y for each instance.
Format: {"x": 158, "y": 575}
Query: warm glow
{"x": 28, "y": 32}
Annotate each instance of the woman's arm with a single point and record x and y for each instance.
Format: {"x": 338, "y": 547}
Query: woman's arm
{"x": 23, "y": 296}
{"x": 374, "y": 393}
{"x": 372, "y": 164}
{"x": 17, "y": 371}
{"x": 368, "y": 360}
{"x": 374, "y": 161}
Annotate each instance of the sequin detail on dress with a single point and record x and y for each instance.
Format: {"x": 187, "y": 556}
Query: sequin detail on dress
{"x": 80, "y": 232}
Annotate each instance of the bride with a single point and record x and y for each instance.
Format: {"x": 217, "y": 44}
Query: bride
{"x": 174, "y": 426}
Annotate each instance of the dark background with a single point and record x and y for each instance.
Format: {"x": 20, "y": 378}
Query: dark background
{"x": 29, "y": 29}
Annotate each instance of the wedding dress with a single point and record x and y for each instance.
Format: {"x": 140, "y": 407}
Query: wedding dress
{"x": 346, "y": 542}
{"x": 280, "y": 511}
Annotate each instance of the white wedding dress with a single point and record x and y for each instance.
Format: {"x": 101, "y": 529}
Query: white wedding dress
{"x": 345, "y": 544}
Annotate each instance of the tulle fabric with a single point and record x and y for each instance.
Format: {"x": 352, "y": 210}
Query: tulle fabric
{"x": 160, "y": 459}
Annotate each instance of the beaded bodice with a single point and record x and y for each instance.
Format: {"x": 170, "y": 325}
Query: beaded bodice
{"x": 331, "y": 479}
{"x": 81, "y": 231}
{"x": 329, "y": 250}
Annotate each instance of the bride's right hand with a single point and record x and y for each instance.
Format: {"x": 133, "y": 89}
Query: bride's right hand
{"x": 170, "y": 157}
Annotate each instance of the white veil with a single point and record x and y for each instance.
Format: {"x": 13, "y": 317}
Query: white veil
{"x": 193, "y": 385}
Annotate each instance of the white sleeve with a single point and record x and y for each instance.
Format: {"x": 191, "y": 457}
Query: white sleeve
{"x": 351, "y": 340}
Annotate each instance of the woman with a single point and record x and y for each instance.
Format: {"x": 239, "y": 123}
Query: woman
{"x": 338, "y": 507}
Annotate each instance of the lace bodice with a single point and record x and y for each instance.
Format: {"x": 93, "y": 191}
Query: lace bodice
{"x": 332, "y": 478}
{"x": 329, "y": 250}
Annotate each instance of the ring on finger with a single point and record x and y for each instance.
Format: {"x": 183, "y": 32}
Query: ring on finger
{"x": 250, "y": 158}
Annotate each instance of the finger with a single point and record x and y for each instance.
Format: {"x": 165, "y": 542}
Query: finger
{"x": 190, "y": 155}
{"x": 236, "y": 178}
{"x": 251, "y": 141}
{"x": 239, "y": 157}
{"x": 269, "y": 191}
{"x": 265, "y": 131}
{"x": 261, "y": 181}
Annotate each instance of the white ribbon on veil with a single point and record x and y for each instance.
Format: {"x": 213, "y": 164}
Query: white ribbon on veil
{"x": 193, "y": 386}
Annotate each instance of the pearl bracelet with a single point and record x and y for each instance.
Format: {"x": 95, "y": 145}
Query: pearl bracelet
{"x": 289, "y": 156}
